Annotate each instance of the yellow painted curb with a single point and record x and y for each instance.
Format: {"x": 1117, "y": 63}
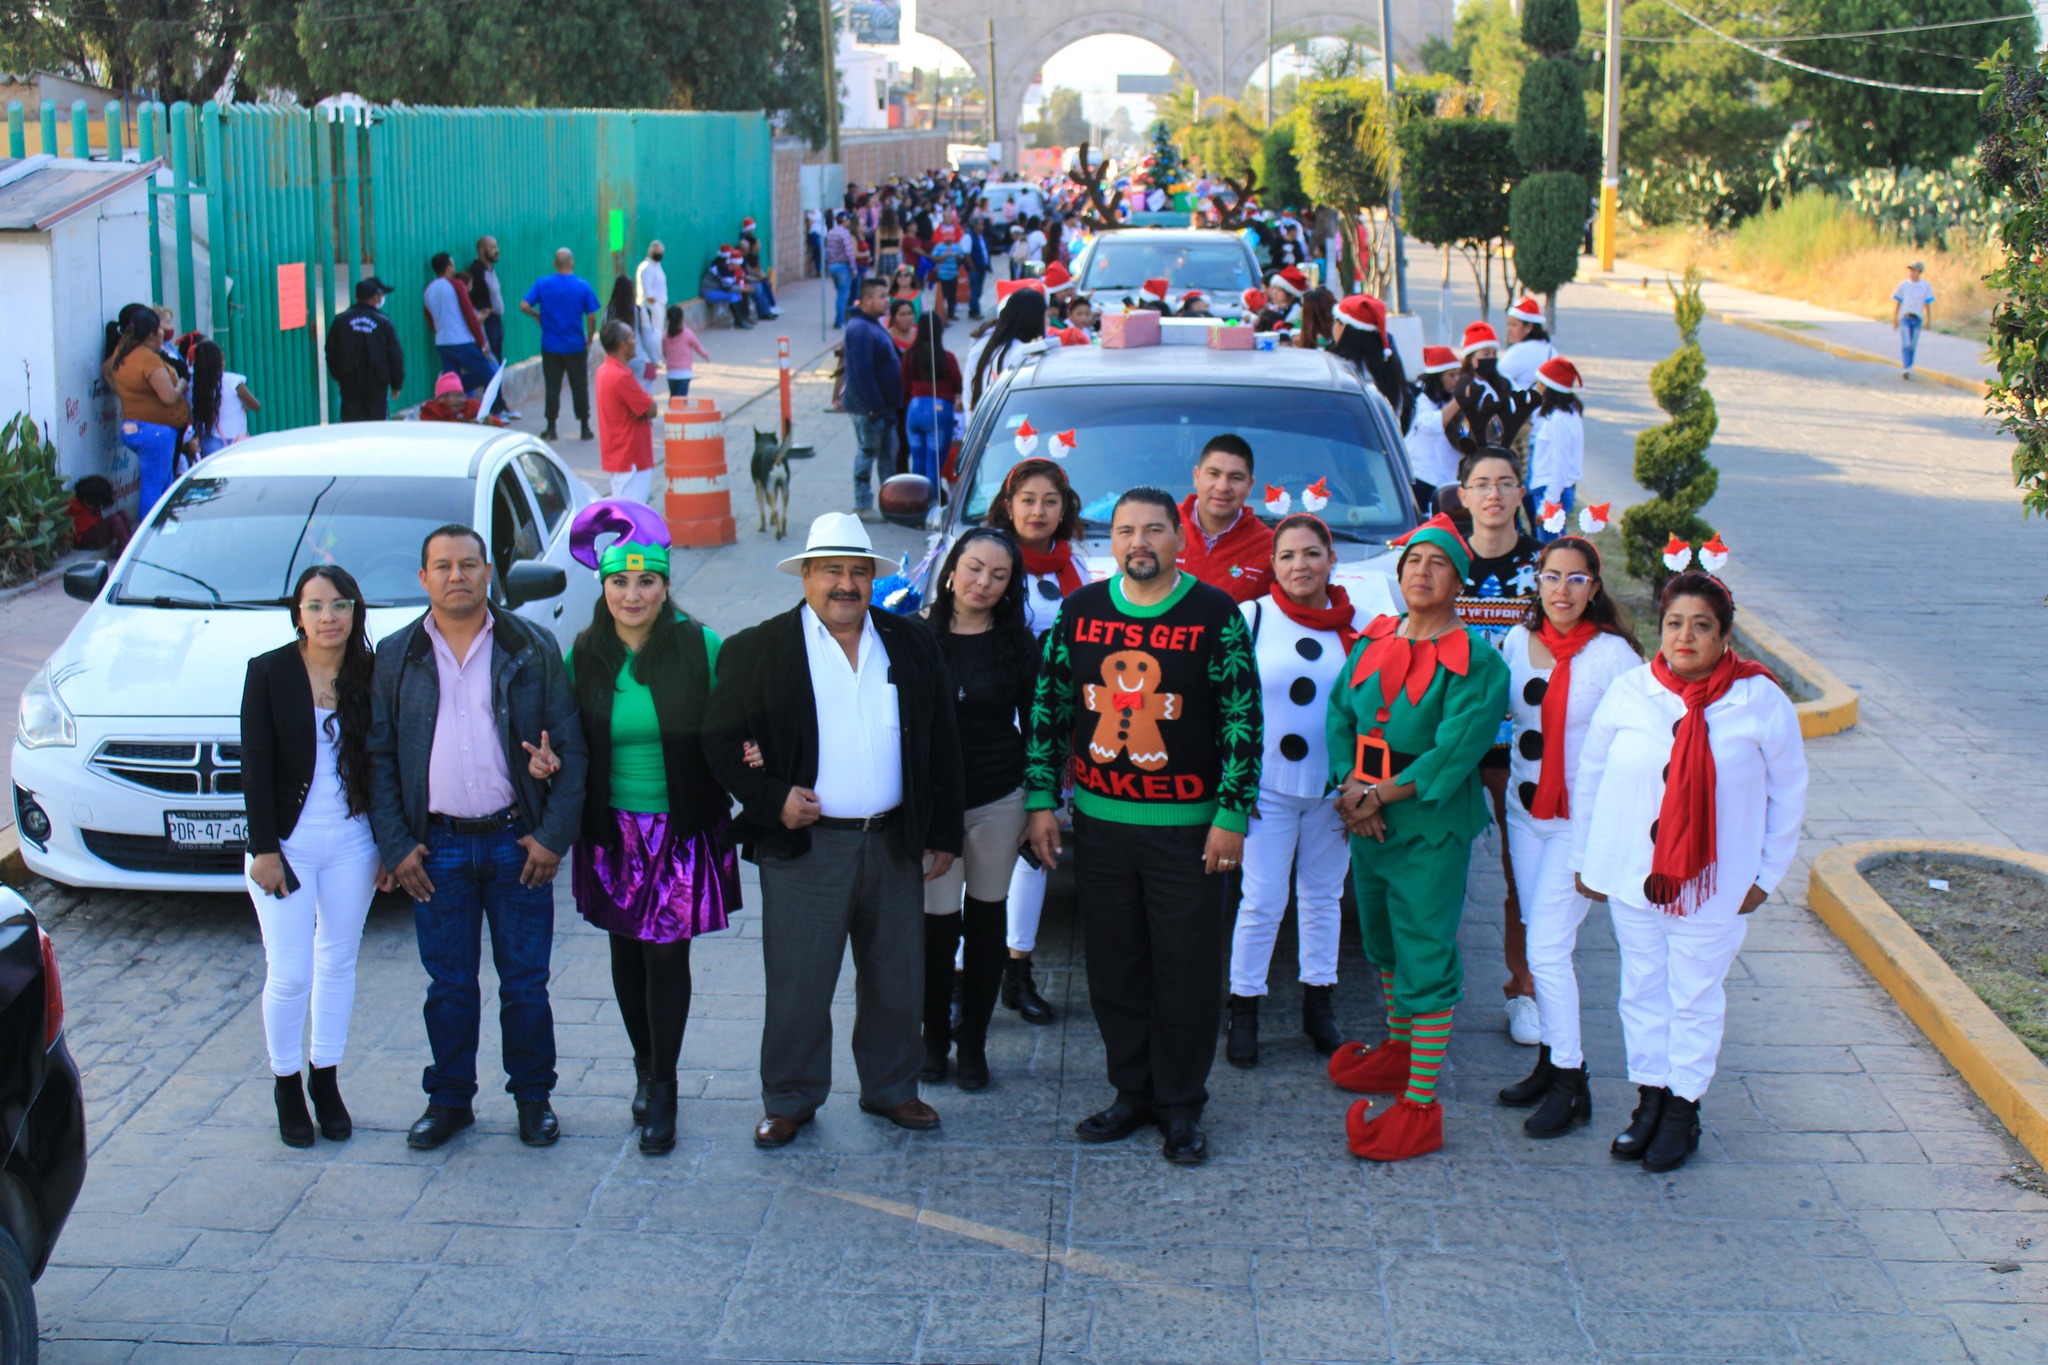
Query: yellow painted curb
{"x": 1834, "y": 710}
{"x": 2008, "y": 1077}
{"x": 13, "y": 871}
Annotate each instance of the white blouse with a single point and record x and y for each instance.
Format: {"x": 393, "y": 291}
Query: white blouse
{"x": 1759, "y": 787}
{"x": 1557, "y": 452}
{"x": 1431, "y": 456}
{"x": 1298, "y": 669}
{"x": 1594, "y": 668}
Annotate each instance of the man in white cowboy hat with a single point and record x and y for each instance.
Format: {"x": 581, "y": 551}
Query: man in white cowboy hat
{"x": 846, "y": 820}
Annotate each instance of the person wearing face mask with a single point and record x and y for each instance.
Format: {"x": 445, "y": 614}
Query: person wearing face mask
{"x": 1225, "y": 544}
{"x": 1301, "y": 634}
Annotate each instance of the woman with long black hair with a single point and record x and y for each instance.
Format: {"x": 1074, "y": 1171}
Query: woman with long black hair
{"x": 312, "y": 865}
{"x": 1019, "y": 322}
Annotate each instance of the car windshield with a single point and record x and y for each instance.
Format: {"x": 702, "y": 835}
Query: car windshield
{"x": 242, "y": 540}
{"x": 1131, "y": 435}
{"x": 1125, "y": 260}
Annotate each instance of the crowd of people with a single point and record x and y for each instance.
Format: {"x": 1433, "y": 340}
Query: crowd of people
{"x": 179, "y": 403}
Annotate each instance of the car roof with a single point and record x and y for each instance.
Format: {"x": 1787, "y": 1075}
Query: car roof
{"x": 1286, "y": 368}
{"x": 430, "y": 450}
{"x": 1175, "y": 234}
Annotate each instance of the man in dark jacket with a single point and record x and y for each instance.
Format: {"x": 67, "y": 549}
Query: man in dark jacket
{"x": 364, "y": 357}
{"x": 459, "y": 699}
{"x": 846, "y": 820}
{"x": 874, "y": 391}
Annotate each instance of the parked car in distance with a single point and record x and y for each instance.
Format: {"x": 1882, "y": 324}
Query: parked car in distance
{"x": 42, "y": 1121}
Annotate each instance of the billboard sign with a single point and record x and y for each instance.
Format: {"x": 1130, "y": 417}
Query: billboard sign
{"x": 875, "y": 22}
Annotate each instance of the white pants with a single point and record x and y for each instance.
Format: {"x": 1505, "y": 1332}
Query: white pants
{"x": 310, "y": 940}
{"x": 1673, "y": 1004}
{"x": 1552, "y": 911}
{"x": 1304, "y": 834}
{"x": 633, "y": 484}
{"x": 1027, "y": 903}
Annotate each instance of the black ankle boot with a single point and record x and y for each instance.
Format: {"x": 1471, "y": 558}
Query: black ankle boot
{"x": 658, "y": 1134}
{"x": 1319, "y": 1018}
{"x": 1634, "y": 1140}
{"x": 1020, "y": 992}
{"x": 335, "y": 1124}
{"x": 1241, "y": 1043}
{"x": 1533, "y": 1086}
{"x": 639, "y": 1092}
{"x": 1678, "y": 1135}
{"x": 970, "y": 1071}
{"x": 1566, "y": 1105}
{"x": 935, "y": 1050}
{"x": 294, "y": 1124}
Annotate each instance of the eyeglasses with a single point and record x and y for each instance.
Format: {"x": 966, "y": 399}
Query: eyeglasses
{"x": 340, "y": 606}
{"x": 1550, "y": 578}
{"x": 1495, "y": 486}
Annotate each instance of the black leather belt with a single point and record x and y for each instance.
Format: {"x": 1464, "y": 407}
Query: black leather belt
{"x": 861, "y": 825}
{"x": 1376, "y": 762}
{"x": 481, "y": 824}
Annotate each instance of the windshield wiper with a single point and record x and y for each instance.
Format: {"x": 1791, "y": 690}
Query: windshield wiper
{"x": 188, "y": 603}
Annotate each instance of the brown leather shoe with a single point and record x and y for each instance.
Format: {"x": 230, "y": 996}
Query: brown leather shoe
{"x": 915, "y": 1115}
{"x": 777, "y": 1130}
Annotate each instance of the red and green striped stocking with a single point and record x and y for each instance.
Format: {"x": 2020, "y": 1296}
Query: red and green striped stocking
{"x": 1431, "y": 1036}
{"x": 1397, "y": 1024}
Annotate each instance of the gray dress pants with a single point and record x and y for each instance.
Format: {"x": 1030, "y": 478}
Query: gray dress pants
{"x": 850, "y": 885}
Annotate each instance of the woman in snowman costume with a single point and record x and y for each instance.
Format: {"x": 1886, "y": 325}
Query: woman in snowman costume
{"x": 1302, "y": 631}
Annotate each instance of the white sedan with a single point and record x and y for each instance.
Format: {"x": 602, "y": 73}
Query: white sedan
{"x": 127, "y": 749}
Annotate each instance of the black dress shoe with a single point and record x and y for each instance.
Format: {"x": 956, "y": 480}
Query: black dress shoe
{"x": 537, "y": 1124}
{"x": 1634, "y": 1140}
{"x": 1113, "y": 1124}
{"x": 437, "y": 1125}
{"x": 325, "y": 1090}
{"x": 1531, "y": 1088}
{"x": 658, "y": 1134}
{"x": 1185, "y": 1143}
{"x": 294, "y": 1124}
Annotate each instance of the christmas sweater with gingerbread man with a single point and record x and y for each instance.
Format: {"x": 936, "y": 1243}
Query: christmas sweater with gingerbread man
{"x": 1156, "y": 707}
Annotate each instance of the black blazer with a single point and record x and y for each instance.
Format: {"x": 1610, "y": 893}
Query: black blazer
{"x": 764, "y": 695}
{"x": 695, "y": 798}
{"x": 278, "y": 744}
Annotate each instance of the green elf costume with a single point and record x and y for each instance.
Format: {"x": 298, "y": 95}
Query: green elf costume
{"x": 1421, "y": 712}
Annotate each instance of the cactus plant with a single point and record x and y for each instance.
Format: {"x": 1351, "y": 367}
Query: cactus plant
{"x": 1671, "y": 460}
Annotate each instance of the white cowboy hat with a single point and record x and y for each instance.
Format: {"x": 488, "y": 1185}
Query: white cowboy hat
{"x": 837, "y": 535}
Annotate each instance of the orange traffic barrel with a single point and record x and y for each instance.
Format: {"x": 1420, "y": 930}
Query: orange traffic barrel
{"x": 699, "y": 507}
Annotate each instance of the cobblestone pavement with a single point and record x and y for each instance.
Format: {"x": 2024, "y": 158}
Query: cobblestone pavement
{"x": 1847, "y": 1204}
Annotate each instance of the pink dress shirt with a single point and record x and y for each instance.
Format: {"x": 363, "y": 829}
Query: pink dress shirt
{"x": 466, "y": 773}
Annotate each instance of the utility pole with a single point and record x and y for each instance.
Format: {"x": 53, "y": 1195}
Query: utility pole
{"x": 1394, "y": 180}
{"x": 1269, "y": 63}
{"x": 829, "y": 61}
{"x": 1610, "y": 128}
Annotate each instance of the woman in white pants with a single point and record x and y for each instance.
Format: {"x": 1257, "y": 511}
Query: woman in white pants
{"x": 1560, "y": 664}
{"x": 1302, "y": 632}
{"x": 1686, "y": 806}
{"x": 312, "y": 867}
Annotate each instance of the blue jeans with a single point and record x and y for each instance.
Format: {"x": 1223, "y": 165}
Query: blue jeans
{"x": 977, "y": 278}
{"x": 155, "y": 447}
{"x": 764, "y": 298}
{"x": 469, "y": 361}
{"x": 874, "y": 439}
{"x": 679, "y": 388}
{"x": 1909, "y": 337}
{"x": 476, "y": 878}
{"x": 842, "y": 291}
{"x": 929, "y": 424}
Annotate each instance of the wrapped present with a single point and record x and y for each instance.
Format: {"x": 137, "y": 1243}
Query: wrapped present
{"x": 1227, "y": 338}
{"x": 1125, "y": 331}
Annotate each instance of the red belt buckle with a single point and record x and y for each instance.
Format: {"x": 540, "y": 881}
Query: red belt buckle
{"x": 1382, "y": 759}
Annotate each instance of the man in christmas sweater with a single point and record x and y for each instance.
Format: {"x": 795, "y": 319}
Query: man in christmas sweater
{"x": 1148, "y": 688}
{"x": 1412, "y": 714}
{"x": 1224, "y": 544}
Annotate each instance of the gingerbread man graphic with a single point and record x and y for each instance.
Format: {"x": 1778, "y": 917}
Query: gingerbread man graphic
{"x": 1130, "y": 708}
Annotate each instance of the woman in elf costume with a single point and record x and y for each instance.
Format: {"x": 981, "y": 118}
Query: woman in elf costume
{"x": 1416, "y": 708}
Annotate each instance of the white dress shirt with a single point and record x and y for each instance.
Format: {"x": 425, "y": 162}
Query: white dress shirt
{"x": 1759, "y": 788}
{"x": 1431, "y": 456}
{"x": 860, "y": 726}
{"x": 1557, "y": 452}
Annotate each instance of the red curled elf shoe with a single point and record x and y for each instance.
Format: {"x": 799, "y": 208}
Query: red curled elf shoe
{"x": 1381, "y": 1070}
{"x": 1407, "y": 1129}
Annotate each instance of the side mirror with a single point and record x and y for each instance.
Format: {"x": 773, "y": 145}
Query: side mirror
{"x": 906, "y": 500}
{"x": 531, "y": 580}
{"x": 84, "y": 581}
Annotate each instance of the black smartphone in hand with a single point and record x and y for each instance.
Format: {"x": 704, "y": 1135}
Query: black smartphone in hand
{"x": 291, "y": 878}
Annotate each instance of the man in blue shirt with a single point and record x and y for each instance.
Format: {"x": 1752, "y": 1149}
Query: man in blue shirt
{"x": 567, "y": 310}
{"x": 874, "y": 389}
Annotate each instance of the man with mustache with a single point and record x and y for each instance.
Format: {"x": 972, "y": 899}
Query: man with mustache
{"x": 1147, "y": 683}
{"x": 832, "y": 724}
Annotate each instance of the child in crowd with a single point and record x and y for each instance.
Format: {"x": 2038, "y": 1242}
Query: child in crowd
{"x": 95, "y": 525}
{"x": 680, "y": 349}
{"x": 221, "y": 401}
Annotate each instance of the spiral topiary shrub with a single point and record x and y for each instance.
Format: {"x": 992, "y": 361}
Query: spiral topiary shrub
{"x": 1671, "y": 460}
{"x": 1548, "y": 214}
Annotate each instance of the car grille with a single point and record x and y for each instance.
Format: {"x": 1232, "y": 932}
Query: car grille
{"x": 184, "y": 768}
{"x": 155, "y": 853}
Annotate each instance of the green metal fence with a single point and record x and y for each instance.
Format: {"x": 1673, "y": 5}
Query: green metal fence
{"x": 331, "y": 196}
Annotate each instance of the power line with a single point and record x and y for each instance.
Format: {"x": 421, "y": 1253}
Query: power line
{"x": 1828, "y": 37}
{"x": 1816, "y": 71}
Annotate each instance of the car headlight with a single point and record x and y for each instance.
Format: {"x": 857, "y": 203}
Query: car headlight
{"x": 43, "y": 719}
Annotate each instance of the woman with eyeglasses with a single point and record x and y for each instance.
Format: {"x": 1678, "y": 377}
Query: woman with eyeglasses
{"x": 312, "y": 864}
{"x": 1561, "y": 661}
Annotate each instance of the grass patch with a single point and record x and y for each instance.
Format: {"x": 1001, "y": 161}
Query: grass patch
{"x": 1990, "y": 926}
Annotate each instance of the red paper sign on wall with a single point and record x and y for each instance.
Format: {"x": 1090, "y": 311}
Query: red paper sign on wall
{"x": 291, "y": 296}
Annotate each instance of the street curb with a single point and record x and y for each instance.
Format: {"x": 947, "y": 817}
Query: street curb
{"x": 47, "y": 576}
{"x": 1834, "y": 710}
{"x": 2008, "y": 1077}
{"x": 1772, "y": 329}
{"x": 13, "y": 871}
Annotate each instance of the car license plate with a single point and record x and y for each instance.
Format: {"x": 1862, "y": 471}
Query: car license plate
{"x": 206, "y": 829}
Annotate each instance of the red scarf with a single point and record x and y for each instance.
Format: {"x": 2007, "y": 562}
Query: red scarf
{"x": 1338, "y": 616}
{"x": 1553, "y": 798}
{"x": 1682, "y": 867}
{"x": 1057, "y": 562}
{"x": 1401, "y": 661}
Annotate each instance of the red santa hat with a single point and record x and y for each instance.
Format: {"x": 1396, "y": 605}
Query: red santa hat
{"x": 1528, "y": 310}
{"x": 1005, "y": 288}
{"x": 1438, "y": 359}
{"x": 1191, "y": 296}
{"x": 1477, "y": 335}
{"x": 1559, "y": 374}
{"x": 1154, "y": 290}
{"x": 1291, "y": 280}
{"x": 1057, "y": 277}
{"x": 1362, "y": 311}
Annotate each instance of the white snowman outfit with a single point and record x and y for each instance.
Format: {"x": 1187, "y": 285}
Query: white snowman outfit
{"x": 1026, "y": 901}
{"x": 1541, "y": 850}
{"x": 1296, "y": 826}
{"x": 1673, "y": 1004}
